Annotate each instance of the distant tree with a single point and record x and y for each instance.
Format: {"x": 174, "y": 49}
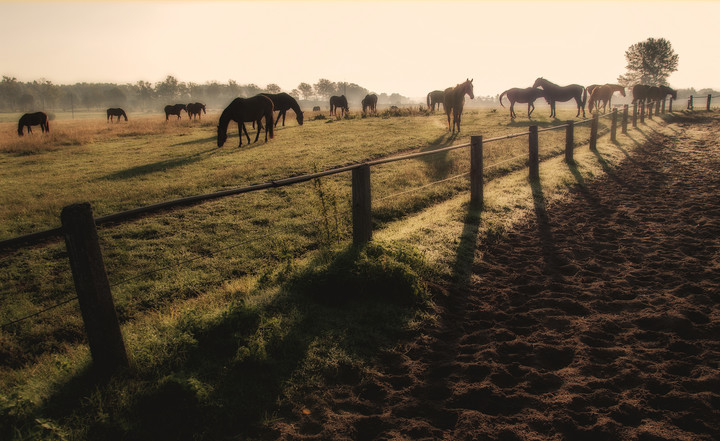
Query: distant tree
{"x": 649, "y": 62}
{"x": 115, "y": 97}
{"x": 26, "y": 102}
{"x": 295, "y": 94}
{"x": 306, "y": 90}
{"x": 169, "y": 89}
{"x": 10, "y": 91}
{"x": 251, "y": 89}
{"x": 273, "y": 88}
{"x": 325, "y": 88}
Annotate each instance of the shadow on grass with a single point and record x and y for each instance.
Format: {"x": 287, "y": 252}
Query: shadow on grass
{"x": 158, "y": 166}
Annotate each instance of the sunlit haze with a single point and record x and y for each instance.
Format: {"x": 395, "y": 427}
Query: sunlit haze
{"x": 405, "y": 47}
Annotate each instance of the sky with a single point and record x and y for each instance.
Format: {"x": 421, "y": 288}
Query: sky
{"x": 406, "y": 47}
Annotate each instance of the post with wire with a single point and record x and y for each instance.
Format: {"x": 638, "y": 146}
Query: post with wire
{"x": 476, "y": 171}
{"x": 361, "y": 207}
{"x": 534, "y": 162}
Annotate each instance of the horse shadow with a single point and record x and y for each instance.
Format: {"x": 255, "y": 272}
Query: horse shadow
{"x": 155, "y": 167}
{"x": 439, "y": 164}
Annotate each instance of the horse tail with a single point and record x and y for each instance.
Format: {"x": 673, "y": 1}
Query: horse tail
{"x": 501, "y": 95}
{"x": 584, "y": 99}
{"x": 428, "y": 99}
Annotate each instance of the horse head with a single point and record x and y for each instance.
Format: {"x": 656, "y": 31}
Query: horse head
{"x": 469, "y": 88}
{"x": 222, "y": 136}
{"x": 538, "y": 82}
{"x": 300, "y": 118}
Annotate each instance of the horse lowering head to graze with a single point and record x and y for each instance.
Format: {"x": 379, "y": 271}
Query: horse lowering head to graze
{"x": 195, "y": 109}
{"x": 370, "y": 102}
{"x": 241, "y": 110}
{"x": 527, "y": 95}
{"x": 33, "y": 119}
{"x": 665, "y": 90}
{"x": 174, "y": 109}
{"x": 316, "y": 109}
{"x": 454, "y": 100}
{"x": 284, "y": 102}
{"x": 554, "y": 93}
{"x": 339, "y": 102}
{"x": 116, "y": 112}
{"x": 436, "y": 97}
{"x": 603, "y": 94}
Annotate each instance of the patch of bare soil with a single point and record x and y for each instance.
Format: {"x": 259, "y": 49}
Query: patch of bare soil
{"x": 597, "y": 319}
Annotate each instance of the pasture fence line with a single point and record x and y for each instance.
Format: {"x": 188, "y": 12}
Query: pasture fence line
{"x": 78, "y": 225}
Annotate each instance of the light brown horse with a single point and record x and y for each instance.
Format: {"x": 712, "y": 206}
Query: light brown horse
{"x": 554, "y": 93}
{"x": 455, "y": 100}
{"x": 603, "y": 93}
{"x": 518, "y": 95}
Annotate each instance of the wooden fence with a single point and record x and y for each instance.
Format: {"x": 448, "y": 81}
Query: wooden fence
{"x": 78, "y": 225}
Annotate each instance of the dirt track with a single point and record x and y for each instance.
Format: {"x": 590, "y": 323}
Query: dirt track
{"x": 598, "y": 319}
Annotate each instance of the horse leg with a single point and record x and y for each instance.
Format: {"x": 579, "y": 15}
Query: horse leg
{"x": 531, "y": 107}
{"x": 448, "y": 116}
{"x": 259, "y": 124}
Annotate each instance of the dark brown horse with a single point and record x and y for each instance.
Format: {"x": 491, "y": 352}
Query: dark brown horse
{"x": 370, "y": 102}
{"x": 115, "y": 112}
{"x": 640, "y": 93}
{"x": 33, "y": 119}
{"x": 603, "y": 93}
{"x": 241, "y": 110}
{"x": 174, "y": 110}
{"x": 284, "y": 102}
{"x": 195, "y": 109}
{"x": 658, "y": 93}
{"x": 518, "y": 95}
{"x": 454, "y": 101}
{"x": 339, "y": 102}
{"x": 435, "y": 97}
{"x": 554, "y": 93}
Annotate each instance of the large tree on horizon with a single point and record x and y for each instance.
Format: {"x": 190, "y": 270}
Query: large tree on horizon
{"x": 649, "y": 62}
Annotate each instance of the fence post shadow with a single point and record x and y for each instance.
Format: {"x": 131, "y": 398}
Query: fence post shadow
{"x": 465, "y": 252}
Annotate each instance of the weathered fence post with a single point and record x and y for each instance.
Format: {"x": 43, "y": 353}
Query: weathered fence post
{"x": 663, "y": 106}
{"x": 534, "y": 157}
{"x": 625, "y": 119}
{"x": 650, "y": 110}
{"x": 93, "y": 289}
{"x": 670, "y": 105}
{"x": 569, "y": 142}
{"x": 361, "y": 208}
{"x": 708, "y": 102}
{"x": 476, "y": 171}
{"x": 613, "y": 126}
{"x": 635, "y": 108}
{"x": 690, "y": 103}
{"x": 593, "y": 132}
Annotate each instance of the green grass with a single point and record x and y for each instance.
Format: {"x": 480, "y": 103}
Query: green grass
{"x": 234, "y": 308}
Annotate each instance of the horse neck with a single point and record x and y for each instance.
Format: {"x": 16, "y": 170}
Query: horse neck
{"x": 225, "y": 117}
{"x": 294, "y": 105}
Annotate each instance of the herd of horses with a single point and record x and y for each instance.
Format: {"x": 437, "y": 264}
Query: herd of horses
{"x": 262, "y": 106}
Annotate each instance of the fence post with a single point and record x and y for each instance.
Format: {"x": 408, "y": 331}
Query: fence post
{"x": 476, "y": 171}
{"x": 361, "y": 209}
{"x": 569, "y": 142}
{"x": 635, "y": 108}
{"x": 593, "y": 132}
{"x": 662, "y": 110}
{"x": 690, "y": 103}
{"x": 708, "y": 102}
{"x": 93, "y": 289}
{"x": 534, "y": 157}
{"x": 625, "y": 119}
{"x": 613, "y": 126}
{"x": 670, "y": 105}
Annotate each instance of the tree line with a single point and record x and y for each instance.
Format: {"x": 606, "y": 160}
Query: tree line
{"x": 43, "y": 94}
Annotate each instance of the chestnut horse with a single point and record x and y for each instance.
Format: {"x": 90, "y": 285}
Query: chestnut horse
{"x": 194, "y": 109}
{"x": 527, "y": 95}
{"x": 241, "y": 110}
{"x": 115, "y": 112}
{"x": 174, "y": 110}
{"x": 554, "y": 93}
{"x": 339, "y": 102}
{"x": 435, "y": 97}
{"x": 454, "y": 101}
{"x": 603, "y": 93}
{"x": 370, "y": 101}
{"x": 284, "y": 102}
{"x": 33, "y": 119}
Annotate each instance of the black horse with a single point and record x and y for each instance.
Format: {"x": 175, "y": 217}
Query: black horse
{"x": 339, "y": 102}
{"x": 247, "y": 109}
{"x": 174, "y": 110}
{"x": 454, "y": 102}
{"x": 284, "y": 102}
{"x": 370, "y": 102}
{"x": 518, "y": 95}
{"x": 195, "y": 109}
{"x": 554, "y": 93}
{"x": 435, "y": 97}
{"x": 33, "y": 119}
{"x": 116, "y": 112}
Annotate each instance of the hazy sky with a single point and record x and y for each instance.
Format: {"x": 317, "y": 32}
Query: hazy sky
{"x": 408, "y": 47}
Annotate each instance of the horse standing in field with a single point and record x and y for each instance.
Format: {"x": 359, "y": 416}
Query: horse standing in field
{"x": 518, "y": 95}
{"x": 640, "y": 93}
{"x": 115, "y": 112}
{"x": 194, "y": 109}
{"x": 174, "y": 110}
{"x": 241, "y": 110}
{"x": 603, "y": 93}
{"x": 339, "y": 102}
{"x": 591, "y": 87}
{"x": 370, "y": 101}
{"x": 284, "y": 102}
{"x": 658, "y": 93}
{"x": 33, "y": 119}
{"x": 435, "y": 97}
{"x": 554, "y": 93}
{"x": 454, "y": 100}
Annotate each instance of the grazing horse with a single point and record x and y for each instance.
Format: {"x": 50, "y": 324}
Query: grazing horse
{"x": 640, "y": 93}
{"x": 194, "y": 109}
{"x": 174, "y": 110}
{"x": 339, "y": 102}
{"x": 454, "y": 101}
{"x": 247, "y": 109}
{"x": 370, "y": 101}
{"x": 284, "y": 102}
{"x": 33, "y": 119}
{"x": 435, "y": 97}
{"x": 316, "y": 109}
{"x": 527, "y": 95}
{"x": 658, "y": 93}
{"x": 603, "y": 93}
{"x": 115, "y": 112}
{"x": 554, "y": 93}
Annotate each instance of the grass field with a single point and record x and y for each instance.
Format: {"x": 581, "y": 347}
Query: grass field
{"x": 252, "y": 286}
